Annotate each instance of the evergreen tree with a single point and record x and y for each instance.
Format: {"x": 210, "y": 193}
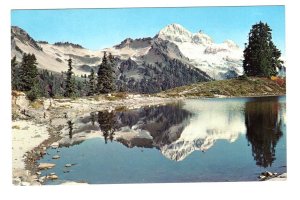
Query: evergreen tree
{"x": 92, "y": 84}
{"x": 261, "y": 57}
{"x": 34, "y": 92}
{"x": 106, "y": 75}
{"x": 15, "y": 80}
{"x": 111, "y": 84}
{"x": 28, "y": 72}
{"x": 70, "y": 81}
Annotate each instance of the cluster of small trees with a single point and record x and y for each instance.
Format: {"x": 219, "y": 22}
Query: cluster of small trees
{"x": 26, "y": 77}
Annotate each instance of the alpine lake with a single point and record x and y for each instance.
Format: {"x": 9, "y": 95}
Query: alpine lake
{"x": 195, "y": 140}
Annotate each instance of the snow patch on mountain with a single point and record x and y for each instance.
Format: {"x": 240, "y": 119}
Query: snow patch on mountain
{"x": 214, "y": 59}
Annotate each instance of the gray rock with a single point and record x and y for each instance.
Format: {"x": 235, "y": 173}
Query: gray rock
{"x": 42, "y": 179}
{"x": 43, "y": 166}
{"x": 52, "y": 177}
{"x": 17, "y": 181}
{"x": 269, "y": 173}
{"x": 25, "y": 184}
{"x": 56, "y": 157}
{"x": 262, "y": 177}
{"x": 55, "y": 145}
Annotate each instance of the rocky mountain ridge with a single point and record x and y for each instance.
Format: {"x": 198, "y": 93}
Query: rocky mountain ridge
{"x": 172, "y": 58}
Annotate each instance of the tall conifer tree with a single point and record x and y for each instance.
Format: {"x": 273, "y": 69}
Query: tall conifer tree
{"x": 261, "y": 57}
{"x": 92, "y": 83}
{"x": 70, "y": 82}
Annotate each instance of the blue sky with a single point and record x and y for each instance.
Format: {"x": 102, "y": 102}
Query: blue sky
{"x": 99, "y": 28}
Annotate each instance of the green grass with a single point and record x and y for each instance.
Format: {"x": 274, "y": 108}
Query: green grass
{"x": 252, "y": 86}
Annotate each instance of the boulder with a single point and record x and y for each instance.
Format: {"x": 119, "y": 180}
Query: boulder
{"x": 267, "y": 174}
{"x": 43, "y": 166}
{"x": 52, "y": 177}
{"x": 25, "y": 184}
{"x": 55, "y": 145}
{"x": 262, "y": 177}
{"x": 17, "y": 181}
{"x": 42, "y": 179}
{"x": 56, "y": 157}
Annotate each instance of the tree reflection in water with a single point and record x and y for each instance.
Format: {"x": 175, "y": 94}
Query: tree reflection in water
{"x": 263, "y": 130}
{"x": 70, "y": 127}
{"x": 93, "y": 118}
{"x": 107, "y": 121}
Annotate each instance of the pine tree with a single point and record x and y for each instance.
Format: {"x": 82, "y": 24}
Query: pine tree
{"x": 34, "y": 92}
{"x": 70, "y": 81}
{"x": 101, "y": 78}
{"x": 111, "y": 84}
{"x": 92, "y": 84}
{"x": 15, "y": 80}
{"x": 106, "y": 75}
{"x": 28, "y": 72}
{"x": 261, "y": 57}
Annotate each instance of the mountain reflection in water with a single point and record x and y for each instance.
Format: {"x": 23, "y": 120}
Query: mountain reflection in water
{"x": 179, "y": 129}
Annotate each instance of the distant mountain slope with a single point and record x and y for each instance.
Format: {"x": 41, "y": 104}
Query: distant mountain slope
{"x": 174, "y": 57}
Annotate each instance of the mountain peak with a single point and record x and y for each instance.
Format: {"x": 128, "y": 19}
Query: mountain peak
{"x": 175, "y": 32}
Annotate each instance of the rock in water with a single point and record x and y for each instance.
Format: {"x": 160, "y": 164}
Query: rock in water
{"x": 56, "y": 157}
{"x": 43, "y": 166}
{"x": 52, "y": 177}
{"x": 42, "y": 179}
{"x": 55, "y": 145}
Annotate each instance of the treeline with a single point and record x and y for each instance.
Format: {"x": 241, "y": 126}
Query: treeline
{"x": 41, "y": 83}
{"x": 68, "y": 44}
{"x": 158, "y": 76}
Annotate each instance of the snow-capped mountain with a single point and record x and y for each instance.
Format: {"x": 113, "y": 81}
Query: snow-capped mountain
{"x": 217, "y": 60}
{"x": 172, "y": 58}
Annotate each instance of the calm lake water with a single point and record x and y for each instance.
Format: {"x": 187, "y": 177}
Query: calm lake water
{"x": 190, "y": 141}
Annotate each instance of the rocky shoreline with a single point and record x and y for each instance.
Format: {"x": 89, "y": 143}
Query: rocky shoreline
{"x": 36, "y": 126}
